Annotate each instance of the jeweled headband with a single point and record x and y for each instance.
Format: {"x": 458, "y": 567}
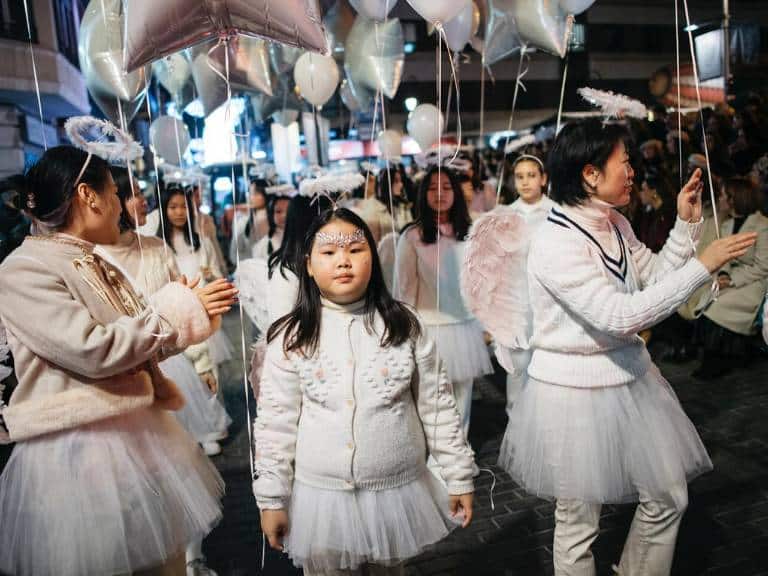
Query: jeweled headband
{"x": 340, "y": 239}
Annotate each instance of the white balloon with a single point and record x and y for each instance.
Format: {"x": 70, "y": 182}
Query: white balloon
{"x": 390, "y": 144}
{"x": 576, "y": 6}
{"x": 374, "y": 9}
{"x": 425, "y": 124}
{"x": 169, "y": 138}
{"x": 317, "y": 77}
{"x": 438, "y": 10}
{"x": 458, "y": 30}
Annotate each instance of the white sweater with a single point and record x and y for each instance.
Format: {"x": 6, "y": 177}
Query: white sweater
{"x": 589, "y": 302}
{"x": 356, "y": 415}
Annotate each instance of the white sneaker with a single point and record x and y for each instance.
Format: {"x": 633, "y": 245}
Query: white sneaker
{"x": 198, "y": 568}
{"x": 211, "y": 448}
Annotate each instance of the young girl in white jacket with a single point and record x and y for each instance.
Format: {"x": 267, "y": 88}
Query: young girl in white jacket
{"x": 352, "y": 400}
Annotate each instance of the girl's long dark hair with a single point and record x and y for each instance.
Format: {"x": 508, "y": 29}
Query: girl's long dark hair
{"x": 124, "y": 192}
{"x": 458, "y": 214}
{"x": 290, "y": 254}
{"x": 387, "y": 176}
{"x": 166, "y": 232}
{"x": 301, "y": 327}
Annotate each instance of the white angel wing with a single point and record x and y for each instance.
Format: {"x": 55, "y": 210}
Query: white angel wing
{"x": 387, "y": 249}
{"x": 252, "y": 279}
{"x": 493, "y": 277}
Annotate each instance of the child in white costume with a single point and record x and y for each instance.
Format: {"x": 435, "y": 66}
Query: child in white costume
{"x": 102, "y": 479}
{"x": 438, "y": 299}
{"x": 151, "y": 264}
{"x": 351, "y": 400}
{"x": 596, "y": 422}
{"x": 278, "y": 198}
{"x": 195, "y": 256}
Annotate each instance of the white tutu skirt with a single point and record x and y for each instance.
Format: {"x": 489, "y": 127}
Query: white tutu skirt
{"x": 114, "y": 497}
{"x": 220, "y": 348}
{"x": 602, "y": 445}
{"x": 462, "y": 349}
{"x": 340, "y": 530}
{"x": 203, "y": 416}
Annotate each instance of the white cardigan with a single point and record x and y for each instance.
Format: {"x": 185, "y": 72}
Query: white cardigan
{"x": 593, "y": 286}
{"x": 356, "y": 415}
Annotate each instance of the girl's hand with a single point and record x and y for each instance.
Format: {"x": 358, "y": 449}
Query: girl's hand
{"x": 274, "y": 524}
{"x": 722, "y": 251}
{"x": 218, "y": 297}
{"x": 689, "y": 199}
{"x": 210, "y": 380}
{"x": 462, "y": 503}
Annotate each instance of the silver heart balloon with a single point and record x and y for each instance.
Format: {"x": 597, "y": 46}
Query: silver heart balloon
{"x": 174, "y": 73}
{"x": 248, "y": 70}
{"x": 501, "y": 37}
{"x": 375, "y": 56}
{"x": 101, "y": 62}
{"x": 542, "y": 24}
{"x": 156, "y": 29}
{"x": 283, "y": 58}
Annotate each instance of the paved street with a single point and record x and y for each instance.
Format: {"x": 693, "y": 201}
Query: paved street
{"x": 724, "y": 533}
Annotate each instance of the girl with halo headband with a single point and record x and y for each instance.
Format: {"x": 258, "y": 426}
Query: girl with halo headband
{"x": 428, "y": 266}
{"x": 102, "y": 479}
{"x": 195, "y": 255}
{"x": 499, "y": 240}
{"x": 595, "y": 422}
{"x": 151, "y": 265}
{"x": 352, "y": 399}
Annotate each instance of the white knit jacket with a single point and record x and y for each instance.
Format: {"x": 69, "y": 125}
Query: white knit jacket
{"x": 355, "y": 415}
{"x": 585, "y": 318}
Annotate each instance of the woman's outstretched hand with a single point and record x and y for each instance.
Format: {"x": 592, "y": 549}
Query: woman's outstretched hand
{"x": 722, "y": 251}
{"x": 218, "y": 297}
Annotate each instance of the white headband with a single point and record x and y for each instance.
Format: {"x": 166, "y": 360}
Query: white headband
{"x": 530, "y": 157}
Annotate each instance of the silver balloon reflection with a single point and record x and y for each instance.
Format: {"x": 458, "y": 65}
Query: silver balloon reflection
{"x": 338, "y": 21}
{"x": 375, "y": 56}
{"x": 155, "y": 29}
{"x": 283, "y": 58}
{"x": 100, "y": 51}
{"x": 501, "y": 37}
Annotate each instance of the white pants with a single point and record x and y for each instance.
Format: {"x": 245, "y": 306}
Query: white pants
{"x": 366, "y": 570}
{"x": 648, "y": 550}
{"x": 520, "y": 360}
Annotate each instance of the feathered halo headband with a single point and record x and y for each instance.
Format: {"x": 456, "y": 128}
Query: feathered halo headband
{"x": 447, "y": 157}
{"x": 614, "y": 105}
{"x": 103, "y": 139}
{"x": 281, "y": 191}
{"x": 325, "y": 185}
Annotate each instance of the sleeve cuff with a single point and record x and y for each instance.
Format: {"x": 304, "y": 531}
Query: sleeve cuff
{"x": 268, "y": 503}
{"x": 688, "y": 231}
{"x": 459, "y": 488}
{"x": 179, "y": 307}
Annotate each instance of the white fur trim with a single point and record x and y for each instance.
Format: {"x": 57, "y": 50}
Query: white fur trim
{"x": 122, "y": 147}
{"x": 519, "y": 143}
{"x": 182, "y": 309}
{"x": 614, "y": 105}
{"x": 281, "y": 190}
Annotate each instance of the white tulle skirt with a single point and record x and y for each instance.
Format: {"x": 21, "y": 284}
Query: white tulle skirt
{"x": 340, "y": 530}
{"x": 462, "y": 349}
{"x": 203, "y": 416}
{"x": 114, "y": 497}
{"x": 602, "y": 445}
{"x": 220, "y": 348}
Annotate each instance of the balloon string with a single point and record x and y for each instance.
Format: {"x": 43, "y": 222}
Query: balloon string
{"x": 521, "y": 72}
{"x": 391, "y": 197}
{"x": 679, "y": 104}
{"x": 439, "y": 28}
{"x": 157, "y": 189}
{"x": 482, "y": 94}
{"x": 249, "y": 424}
{"x": 562, "y": 97}
{"x": 454, "y": 79}
{"x": 34, "y": 75}
{"x": 701, "y": 118}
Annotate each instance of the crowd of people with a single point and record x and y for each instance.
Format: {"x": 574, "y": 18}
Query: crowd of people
{"x": 365, "y": 363}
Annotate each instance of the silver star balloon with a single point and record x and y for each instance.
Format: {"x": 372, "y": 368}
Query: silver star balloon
{"x": 100, "y": 51}
{"x": 542, "y": 24}
{"x": 154, "y": 29}
{"x": 375, "y": 56}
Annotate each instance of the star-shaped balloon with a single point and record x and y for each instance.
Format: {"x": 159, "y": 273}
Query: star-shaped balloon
{"x": 542, "y": 24}
{"x": 374, "y": 54}
{"x": 174, "y": 73}
{"x": 100, "y": 51}
{"x": 155, "y": 29}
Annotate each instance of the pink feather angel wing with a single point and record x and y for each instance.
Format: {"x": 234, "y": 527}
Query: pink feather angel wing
{"x": 493, "y": 277}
